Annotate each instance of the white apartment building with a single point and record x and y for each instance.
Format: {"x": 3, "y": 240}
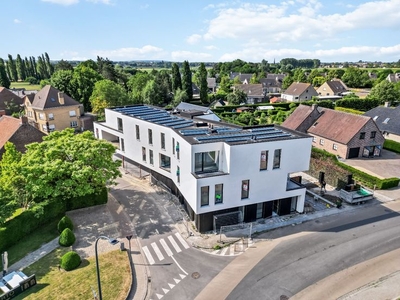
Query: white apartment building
{"x": 213, "y": 167}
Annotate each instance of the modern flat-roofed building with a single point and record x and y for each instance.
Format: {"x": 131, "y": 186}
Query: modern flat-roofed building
{"x": 215, "y": 169}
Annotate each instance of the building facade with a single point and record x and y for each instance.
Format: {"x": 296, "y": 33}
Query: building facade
{"x": 214, "y": 168}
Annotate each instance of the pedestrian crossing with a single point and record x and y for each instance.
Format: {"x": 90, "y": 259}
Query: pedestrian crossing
{"x": 165, "y": 247}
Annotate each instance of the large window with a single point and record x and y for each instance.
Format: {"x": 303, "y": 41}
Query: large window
{"x": 206, "y": 162}
{"x": 277, "y": 159}
{"x": 165, "y": 162}
{"x": 120, "y": 125}
{"x": 245, "y": 188}
{"x": 151, "y": 160}
{"x": 264, "y": 160}
{"x": 204, "y": 195}
{"x": 162, "y": 140}
{"x": 137, "y": 132}
{"x": 219, "y": 189}
{"x": 150, "y": 136}
{"x": 143, "y": 153}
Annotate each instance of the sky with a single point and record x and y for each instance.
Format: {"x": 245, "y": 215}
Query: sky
{"x": 201, "y": 30}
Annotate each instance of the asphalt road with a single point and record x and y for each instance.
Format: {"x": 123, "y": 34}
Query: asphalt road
{"x": 331, "y": 245}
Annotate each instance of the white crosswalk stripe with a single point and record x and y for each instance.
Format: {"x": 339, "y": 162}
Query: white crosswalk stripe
{"x": 169, "y": 247}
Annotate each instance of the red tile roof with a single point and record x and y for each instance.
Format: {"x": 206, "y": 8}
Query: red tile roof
{"x": 297, "y": 117}
{"x": 8, "y": 126}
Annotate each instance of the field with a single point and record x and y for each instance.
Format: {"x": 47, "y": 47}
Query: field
{"x": 26, "y": 85}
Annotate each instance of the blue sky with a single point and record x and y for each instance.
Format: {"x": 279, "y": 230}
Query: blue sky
{"x": 200, "y": 30}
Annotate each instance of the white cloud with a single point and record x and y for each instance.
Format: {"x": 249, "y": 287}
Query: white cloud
{"x": 146, "y": 52}
{"x": 16, "y": 21}
{"x": 190, "y": 56}
{"x": 62, "y": 2}
{"x": 193, "y": 39}
{"x": 211, "y": 47}
{"x": 108, "y": 2}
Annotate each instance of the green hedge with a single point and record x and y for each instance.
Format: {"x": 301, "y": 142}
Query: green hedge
{"x": 70, "y": 261}
{"x": 65, "y": 222}
{"x": 349, "y": 110}
{"x": 392, "y": 146}
{"x": 18, "y": 227}
{"x": 67, "y": 238}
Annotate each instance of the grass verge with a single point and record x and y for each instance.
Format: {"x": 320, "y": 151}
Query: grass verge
{"x": 78, "y": 283}
{"x": 26, "y": 85}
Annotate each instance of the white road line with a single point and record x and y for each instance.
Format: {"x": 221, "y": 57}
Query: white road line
{"x": 166, "y": 248}
{"x": 224, "y": 250}
{"x": 157, "y": 251}
{"x": 179, "y": 266}
{"x": 142, "y": 204}
{"x": 148, "y": 255}
{"x": 177, "y": 249}
{"x": 232, "y": 250}
{"x": 183, "y": 242}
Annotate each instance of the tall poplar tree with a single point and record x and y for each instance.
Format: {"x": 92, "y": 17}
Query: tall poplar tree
{"x": 4, "y": 81}
{"x": 50, "y": 67}
{"x": 176, "y": 78}
{"x": 13, "y": 68}
{"x": 20, "y": 68}
{"x": 187, "y": 80}
{"x": 203, "y": 83}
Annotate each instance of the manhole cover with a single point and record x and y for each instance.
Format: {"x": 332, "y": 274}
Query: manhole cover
{"x": 195, "y": 275}
{"x": 284, "y": 297}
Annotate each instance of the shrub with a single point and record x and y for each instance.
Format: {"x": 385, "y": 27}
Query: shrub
{"x": 65, "y": 222}
{"x": 392, "y": 146}
{"x": 70, "y": 261}
{"x": 67, "y": 238}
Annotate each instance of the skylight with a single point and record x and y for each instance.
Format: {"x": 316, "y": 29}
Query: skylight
{"x": 386, "y": 121}
{"x": 376, "y": 118}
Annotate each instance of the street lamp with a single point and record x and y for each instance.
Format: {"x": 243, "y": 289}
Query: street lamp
{"x": 112, "y": 242}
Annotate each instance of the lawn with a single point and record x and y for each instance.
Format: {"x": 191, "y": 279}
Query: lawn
{"x": 78, "y": 284}
{"x": 25, "y": 85}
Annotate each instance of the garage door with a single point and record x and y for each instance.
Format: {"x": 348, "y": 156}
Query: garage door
{"x": 354, "y": 152}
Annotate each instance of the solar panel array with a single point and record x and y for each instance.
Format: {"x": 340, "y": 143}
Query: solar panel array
{"x": 155, "y": 115}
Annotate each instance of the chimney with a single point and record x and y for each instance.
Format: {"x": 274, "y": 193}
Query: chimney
{"x": 387, "y": 104}
{"x": 2, "y": 112}
{"x": 61, "y": 98}
{"x": 314, "y": 106}
{"x": 24, "y": 120}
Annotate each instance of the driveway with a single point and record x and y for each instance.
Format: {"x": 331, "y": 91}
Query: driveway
{"x": 385, "y": 166}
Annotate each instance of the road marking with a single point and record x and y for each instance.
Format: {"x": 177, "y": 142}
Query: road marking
{"x": 179, "y": 268}
{"x": 157, "y": 231}
{"x": 142, "y": 204}
{"x": 215, "y": 251}
{"x": 176, "y": 280}
{"x": 166, "y": 248}
{"x": 157, "y": 251}
{"x": 148, "y": 255}
{"x": 224, "y": 250}
{"x": 165, "y": 290}
{"x": 171, "y": 239}
{"x": 159, "y": 296}
{"x": 142, "y": 233}
{"x": 232, "y": 250}
{"x": 171, "y": 286}
{"x": 183, "y": 242}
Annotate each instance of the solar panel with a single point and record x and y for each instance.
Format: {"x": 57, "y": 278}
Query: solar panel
{"x": 155, "y": 116}
{"x": 227, "y": 130}
{"x": 194, "y": 131}
{"x": 271, "y": 136}
{"x": 262, "y": 129}
{"x": 219, "y": 137}
{"x": 189, "y": 123}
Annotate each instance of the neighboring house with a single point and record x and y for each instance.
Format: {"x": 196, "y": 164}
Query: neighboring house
{"x": 50, "y": 110}
{"x": 9, "y": 101}
{"x": 212, "y": 85}
{"x": 219, "y": 171}
{"x": 332, "y": 88}
{"x": 272, "y": 85}
{"x": 299, "y": 92}
{"x": 388, "y": 121}
{"x": 394, "y": 78}
{"x": 254, "y": 92}
{"x": 244, "y": 78}
{"x": 18, "y": 132}
{"x": 343, "y": 134}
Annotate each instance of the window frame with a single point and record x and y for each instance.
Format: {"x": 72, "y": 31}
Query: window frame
{"x": 144, "y": 156}
{"x": 150, "y": 136}
{"x": 151, "y": 157}
{"x": 373, "y": 134}
{"x": 137, "y": 131}
{"x": 277, "y": 159}
{"x": 204, "y": 190}
{"x": 362, "y": 135}
{"x": 245, "y": 189}
{"x": 219, "y": 199}
{"x": 162, "y": 137}
{"x": 167, "y": 167}
{"x": 120, "y": 125}
{"x": 72, "y": 113}
{"x": 262, "y": 167}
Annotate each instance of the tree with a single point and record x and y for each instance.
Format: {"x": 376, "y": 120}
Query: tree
{"x": 49, "y": 65}
{"x": 106, "y": 69}
{"x": 179, "y": 96}
{"x": 151, "y": 94}
{"x": 318, "y": 81}
{"x": 61, "y": 80}
{"x": 225, "y": 84}
{"x": 203, "y": 83}
{"x": 13, "y": 68}
{"x": 164, "y": 87}
{"x": 136, "y": 85}
{"x": 107, "y": 93}
{"x": 314, "y": 73}
{"x": 187, "y": 80}
{"x": 63, "y": 65}
{"x": 237, "y": 97}
{"x": 287, "y": 81}
{"x": 384, "y": 91}
{"x": 41, "y": 68}
{"x": 355, "y": 77}
{"x": 176, "y": 78}
{"x": 21, "y": 68}
{"x": 4, "y": 81}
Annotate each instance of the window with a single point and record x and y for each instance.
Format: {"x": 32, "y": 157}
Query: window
{"x": 206, "y": 162}
{"x": 73, "y": 124}
{"x": 120, "y": 125}
{"x": 137, "y": 132}
{"x": 52, "y": 127}
{"x": 151, "y": 157}
{"x": 245, "y": 189}
{"x": 165, "y": 162}
{"x": 177, "y": 150}
{"x": 321, "y": 142}
{"x": 277, "y": 159}
{"x": 162, "y": 140}
{"x": 173, "y": 146}
{"x": 204, "y": 195}
{"x": 122, "y": 145}
{"x": 41, "y": 116}
{"x": 219, "y": 189}
{"x": 72, "y": 113}
{"x": 386, "y": 121}
{"x": 178, "y": 174}
{"x": 150, "y": 133}
{"x": 143, "y": 153}
{"x": 259, "y": 211}
{"x": 30, "y": 114}
{"x": 362, "y": 135}
{"x": 314, "y": 139}
{"x": 334, "y": 147}
{"x": 373, "y": 134}
{"x": 51, "y": 116}
{"x": 263, "y": 160}
{"x": 44, "y": 128}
